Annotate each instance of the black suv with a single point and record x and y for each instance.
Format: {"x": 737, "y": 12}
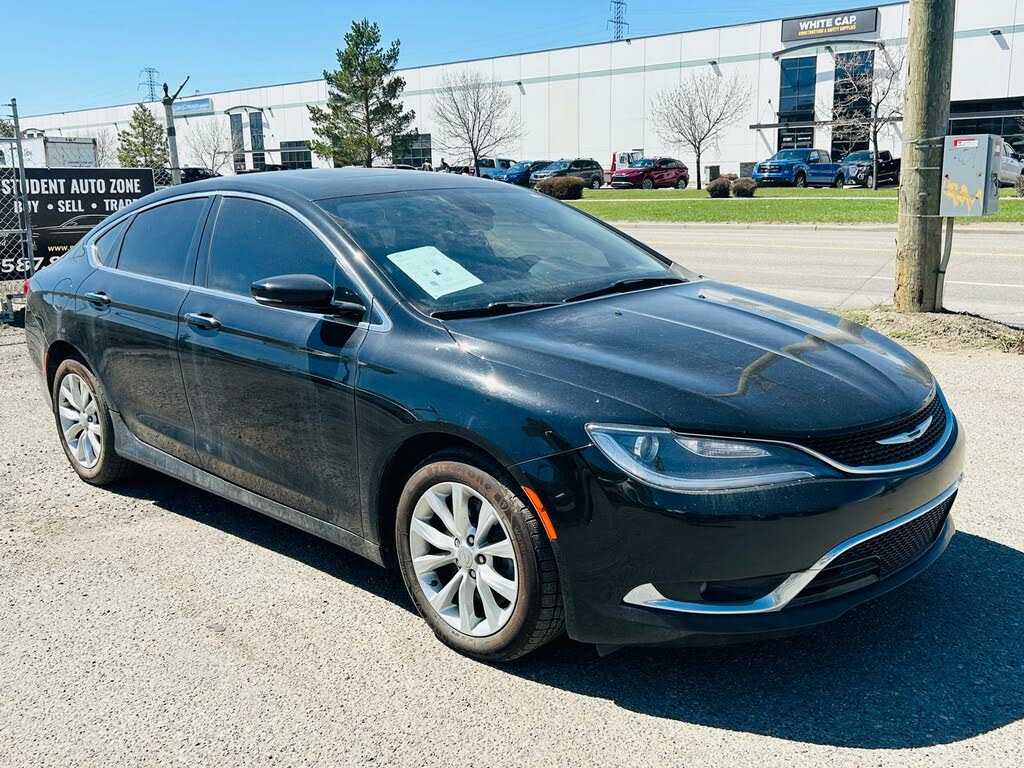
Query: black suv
{"x": 587, "y": 169}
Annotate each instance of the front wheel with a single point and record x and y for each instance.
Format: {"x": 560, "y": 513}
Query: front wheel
{"x": 869, "y": 181}
{"x": 476, "y": 561}
{"x": 648, "y": 184}
{"x": 682, "y": 183}
{"x": 801, "y": 180}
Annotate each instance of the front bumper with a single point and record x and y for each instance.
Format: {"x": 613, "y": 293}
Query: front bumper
{"x": 781, "y": 177}
{"x": 635, "y": 561}
{"x": 625, "y": 182}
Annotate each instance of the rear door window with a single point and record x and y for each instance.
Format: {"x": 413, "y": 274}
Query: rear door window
{"x": 104, "y": 250}
{"x": 253, "y": 240}
{"x": 158, "y": 241}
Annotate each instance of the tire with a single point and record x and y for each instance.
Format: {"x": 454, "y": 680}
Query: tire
{"x": 596, "y": 182}
{"x": 800, "y": 180}
{"x": 648, "y": 183}
{"x": 682, "y": 183}
{"x": 523, "y": 611}
{"x": 839, "y": 182}
{"x": 88, "y": 442}
{"x": 869, "y": 181}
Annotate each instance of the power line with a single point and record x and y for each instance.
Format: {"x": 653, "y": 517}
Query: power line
{"x": 617, "y": 21}
{"x": 150, "y": 82}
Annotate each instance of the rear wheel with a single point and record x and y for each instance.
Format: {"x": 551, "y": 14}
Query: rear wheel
{"x": 83, "y": 425}
{"x": 475, "y": 559}
{"x": 596, "y": 182}
{"x": 839, "y": 182}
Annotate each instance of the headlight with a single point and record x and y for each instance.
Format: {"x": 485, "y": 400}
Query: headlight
{"x": 674, "y": 462}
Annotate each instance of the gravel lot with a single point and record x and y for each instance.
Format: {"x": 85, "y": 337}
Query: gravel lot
{"x": 154, "y": 624}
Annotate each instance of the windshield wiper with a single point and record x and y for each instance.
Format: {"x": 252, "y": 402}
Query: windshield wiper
{"x": 492, "y": 309}
{"x": 629, "y": 284}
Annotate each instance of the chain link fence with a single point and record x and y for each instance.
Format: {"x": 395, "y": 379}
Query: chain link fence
{"x": 14, "y": 255}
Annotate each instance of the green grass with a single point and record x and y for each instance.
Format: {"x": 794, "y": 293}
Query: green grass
{"x": 765, "y": 192}
{"x": 779, "y": 210}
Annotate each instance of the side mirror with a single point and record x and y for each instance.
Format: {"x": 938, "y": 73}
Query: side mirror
{"x": 305, "y": 293}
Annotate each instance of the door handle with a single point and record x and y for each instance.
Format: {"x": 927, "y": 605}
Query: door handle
{"x": 203, "y": 320}
{"x": 99, "y": 298}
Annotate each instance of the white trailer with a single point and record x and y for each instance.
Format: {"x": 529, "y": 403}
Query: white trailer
{"x": 49, "y": 152}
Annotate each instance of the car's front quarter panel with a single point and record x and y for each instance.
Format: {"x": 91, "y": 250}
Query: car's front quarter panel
{"x": 418, "y": 379}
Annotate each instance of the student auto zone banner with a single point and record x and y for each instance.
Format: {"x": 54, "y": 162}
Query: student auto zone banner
{"x": 65, "y": 203}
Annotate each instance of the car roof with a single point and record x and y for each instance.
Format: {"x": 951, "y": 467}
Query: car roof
{"x": 322, "y": 183}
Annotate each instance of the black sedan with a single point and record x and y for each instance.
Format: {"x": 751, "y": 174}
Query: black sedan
{"x": 544, "y": 424}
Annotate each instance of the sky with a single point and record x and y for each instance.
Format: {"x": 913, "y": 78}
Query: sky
{"x": 61, "y": 56}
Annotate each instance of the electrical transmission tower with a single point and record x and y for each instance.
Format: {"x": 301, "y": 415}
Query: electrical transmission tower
{"x": 149, "y": 81}
{"x": 617, "y": 21}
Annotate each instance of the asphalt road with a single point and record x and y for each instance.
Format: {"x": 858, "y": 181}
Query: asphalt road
{"x": 846, "y": 267}
{"x": 154, "y": 624}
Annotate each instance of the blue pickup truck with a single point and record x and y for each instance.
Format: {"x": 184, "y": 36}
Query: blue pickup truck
{"x": 800, "y": 168}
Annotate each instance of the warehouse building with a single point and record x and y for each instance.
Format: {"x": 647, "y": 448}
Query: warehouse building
{"x": 594, "y": 100}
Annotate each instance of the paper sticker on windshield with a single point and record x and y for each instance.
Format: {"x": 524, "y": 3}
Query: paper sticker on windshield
{"x": 434, "y": 272}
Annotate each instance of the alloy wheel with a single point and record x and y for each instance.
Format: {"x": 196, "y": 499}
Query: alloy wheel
{"x": 464, "y": 559}
{"x": 80, "y": 420}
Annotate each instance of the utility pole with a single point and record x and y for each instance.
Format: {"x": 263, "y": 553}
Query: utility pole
{"x": 925, "y": 123}
{"x": 23, "y": 185}
{"x": 172, "y": 141}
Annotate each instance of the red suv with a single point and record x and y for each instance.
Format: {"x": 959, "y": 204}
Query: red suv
{"x": 651, "y": 172}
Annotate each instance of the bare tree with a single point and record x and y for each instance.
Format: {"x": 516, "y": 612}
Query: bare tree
{"x": 869, "y": 89}
{"x": 106, "y": 148}
{"x": 209, "y": 143}
{"x": 695, "y": 113}
{"x": 474, "y": 115}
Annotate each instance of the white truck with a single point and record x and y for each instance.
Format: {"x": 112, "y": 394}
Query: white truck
{"x": 49, "y": 152}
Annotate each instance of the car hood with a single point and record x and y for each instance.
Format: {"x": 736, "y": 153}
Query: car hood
{"x": 712, "y": 357}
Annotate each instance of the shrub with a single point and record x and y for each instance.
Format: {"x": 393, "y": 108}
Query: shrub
{"x": 729, "y": 176}
{"x": 718, "y": 188}
{"x": 1019, "y": 186}
{"x": 744, "y": 187}
{"x": 562, "y": 187}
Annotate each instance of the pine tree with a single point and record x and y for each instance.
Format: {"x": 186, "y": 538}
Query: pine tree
{"x": 364, "y": 108}
{"x": 144, "y": 143}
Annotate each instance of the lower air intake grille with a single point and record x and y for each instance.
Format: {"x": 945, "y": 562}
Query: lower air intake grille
{"x": 879, "y": 557}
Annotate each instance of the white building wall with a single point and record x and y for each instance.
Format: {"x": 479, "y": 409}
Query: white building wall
{"x": 593, "y": 100}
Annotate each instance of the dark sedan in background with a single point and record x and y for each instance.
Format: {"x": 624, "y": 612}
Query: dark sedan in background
{"x": 652, "y": 172}
{"x": 543, "y": 423}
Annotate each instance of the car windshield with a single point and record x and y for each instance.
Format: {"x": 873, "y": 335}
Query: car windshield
{"x": 645, "y": 163}
{"x": 521, "y": 166}
{"x": 558, "y": 165}
{"x": 792, "y": 154}
{"x": 859, "y": 157}
{"x": 458, "y": 249}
